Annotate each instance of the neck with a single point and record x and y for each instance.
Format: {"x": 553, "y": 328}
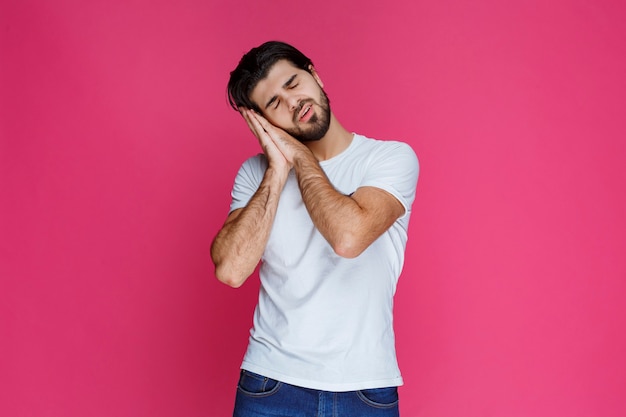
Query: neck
{"x": 335, "y": 141}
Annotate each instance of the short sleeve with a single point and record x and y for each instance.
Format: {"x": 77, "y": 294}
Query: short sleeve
{"x": 247, "y": 181}
{"x": 395, "y": 169}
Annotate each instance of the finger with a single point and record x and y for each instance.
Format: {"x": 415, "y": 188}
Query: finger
{"x": 270, "y": 128}
{"x": 254, "y": 125}
{"x": 263, "y": 122}
{"x": 256, "y": 122}
{"x": 265, "y": 140}
{"x": 264, "y": 137}
{"x": 244, "y": 113}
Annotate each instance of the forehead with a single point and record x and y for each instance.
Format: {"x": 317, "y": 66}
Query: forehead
{"x": 276, "y": 77}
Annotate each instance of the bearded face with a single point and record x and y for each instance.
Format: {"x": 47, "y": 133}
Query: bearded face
{"x": 294, "y": 100}
{"x": 311, "y": 119}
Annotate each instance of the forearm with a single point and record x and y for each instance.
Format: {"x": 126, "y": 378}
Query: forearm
{"x": 338, "y": 217}
{"x": 349, "y": 223}
{"x": 239, "y": 245}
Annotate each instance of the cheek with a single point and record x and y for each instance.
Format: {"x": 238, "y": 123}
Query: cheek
{"x": 282, "y": 119}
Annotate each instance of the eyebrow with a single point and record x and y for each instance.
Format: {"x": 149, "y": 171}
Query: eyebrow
{"x": 286, "y": 85}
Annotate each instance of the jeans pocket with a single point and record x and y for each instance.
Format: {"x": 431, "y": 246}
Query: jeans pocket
{"x": 379, "y": 397}
{"x": 257, "y": 385}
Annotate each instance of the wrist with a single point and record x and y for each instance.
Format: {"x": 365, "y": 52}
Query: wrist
{"x": 303, "y": 158}
{"x": 277, "y": 174}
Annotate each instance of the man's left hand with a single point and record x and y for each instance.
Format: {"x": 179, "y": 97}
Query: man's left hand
{"x": 289, "y": 146}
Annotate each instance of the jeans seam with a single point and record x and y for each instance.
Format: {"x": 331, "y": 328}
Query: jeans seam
{"x": 374, "y": 404}
{"x": 264, "y": 384}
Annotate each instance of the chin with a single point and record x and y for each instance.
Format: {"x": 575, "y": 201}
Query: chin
{"x": 317, "y": 129}
{"x": 315, "y": 134}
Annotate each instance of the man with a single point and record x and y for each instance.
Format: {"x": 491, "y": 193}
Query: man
{"x": 326, "y": 211}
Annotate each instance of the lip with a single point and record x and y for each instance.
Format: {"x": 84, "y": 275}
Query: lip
{"x": 306, "y": 113}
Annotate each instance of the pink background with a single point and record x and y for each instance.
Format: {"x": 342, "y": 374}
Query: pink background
{"x": 118, "y": 151}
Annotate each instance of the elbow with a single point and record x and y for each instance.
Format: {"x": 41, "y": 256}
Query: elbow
{"x": 233, "y": 283}
{"x": 348, "y": 247}
{"x": 229, "y": 277}
{"x": 226, "y": 270}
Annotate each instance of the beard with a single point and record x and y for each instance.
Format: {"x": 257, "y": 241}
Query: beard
{"x": 317, "y": 126}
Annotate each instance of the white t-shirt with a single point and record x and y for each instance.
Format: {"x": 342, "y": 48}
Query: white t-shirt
{"x": 322, "y": 321}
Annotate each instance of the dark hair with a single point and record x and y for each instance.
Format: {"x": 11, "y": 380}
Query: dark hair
{"x": 254, "y": 66}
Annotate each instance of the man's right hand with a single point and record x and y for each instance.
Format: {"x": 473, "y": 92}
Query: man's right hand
{"x": 275, "y": 157}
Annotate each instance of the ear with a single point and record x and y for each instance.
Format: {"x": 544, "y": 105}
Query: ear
{"x": 316, "y": 76}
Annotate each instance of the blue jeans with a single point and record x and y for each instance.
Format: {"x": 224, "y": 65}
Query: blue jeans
{"x": 259, "y": 396}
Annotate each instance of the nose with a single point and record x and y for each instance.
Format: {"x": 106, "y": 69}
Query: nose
{"x": 294, "y": 102}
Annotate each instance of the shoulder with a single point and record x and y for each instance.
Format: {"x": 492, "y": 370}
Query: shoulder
{"x": 254, "y": 165}
{"x": 251, "y": 171}
{"x": 258, "y": 161}
{"x": 386, "y": 149}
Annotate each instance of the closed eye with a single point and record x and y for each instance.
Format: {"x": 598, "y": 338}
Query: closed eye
{"x": 286, "y": 85}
